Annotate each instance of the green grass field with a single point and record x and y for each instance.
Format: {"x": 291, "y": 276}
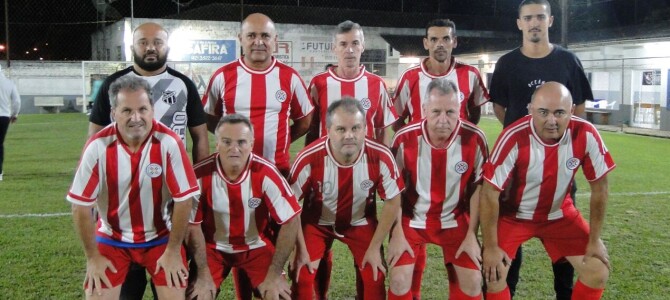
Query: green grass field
{"x": 41, "y": 258}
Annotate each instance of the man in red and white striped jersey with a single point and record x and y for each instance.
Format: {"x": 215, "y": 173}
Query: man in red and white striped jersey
{"x": 440, "y": 40}
{"x": 338, "y": 176}
{"x": 350, "y": 79}
{"x": 534, "y": 162}
{"x": 138, "y": 175}
{"x": 263, "y": 89}
{"x": 239, "y": 190}
{"x": 441, "y": 159}
{"x": 410, "y": 93}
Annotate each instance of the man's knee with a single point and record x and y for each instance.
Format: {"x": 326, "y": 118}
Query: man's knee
{"x": 401, "y": 279}
{"x": 469, "y": 281}
{"x": 106, "y": 294}
{"x": 594, "y": 273}
{"x": 170, "y": 293}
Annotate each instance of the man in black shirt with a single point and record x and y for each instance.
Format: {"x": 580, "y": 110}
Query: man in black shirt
{"x": 176, "y": 104}
{"x": 516, "y": 76}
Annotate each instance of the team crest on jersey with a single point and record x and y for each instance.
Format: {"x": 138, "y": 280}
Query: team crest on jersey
{"x": 169, "y": 97}
{"x": 366, "y": 103}
{"x": 154, "y": 170}
{"x": 254, "y": 202}
{"x": 461, "y": 167}
{"x": 280, "y": 95}
{"x": 366, "y": 184}
{"x": 572, "y": 163}
{"x": 461, "y": 96}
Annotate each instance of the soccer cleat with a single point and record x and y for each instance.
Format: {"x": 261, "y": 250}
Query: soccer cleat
{"x": 0, "y": 176}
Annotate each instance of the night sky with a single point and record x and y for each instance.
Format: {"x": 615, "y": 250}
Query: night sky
{"x": 60, "y": 30}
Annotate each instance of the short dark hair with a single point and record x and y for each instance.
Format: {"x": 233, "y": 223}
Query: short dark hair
{"x": 441, "y": 23}
{"x": 348, "y": 26}
{"x": 540, "y": 2}
{"x": 132, "y": 83}
{"x": 443, "y": 85}
{"x": 348, "y": 104}
{"x": 234, "y": 119}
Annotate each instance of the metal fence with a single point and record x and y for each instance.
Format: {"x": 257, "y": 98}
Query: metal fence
{"x": 61, "y": 30}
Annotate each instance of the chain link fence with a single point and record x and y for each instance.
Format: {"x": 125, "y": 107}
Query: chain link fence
{"x": 61, "y": 30}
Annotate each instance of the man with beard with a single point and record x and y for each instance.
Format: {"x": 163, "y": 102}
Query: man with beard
{"x": 440, "y": 40}
{"x": 517, "y": 74}
{"x": 176, "y": 104}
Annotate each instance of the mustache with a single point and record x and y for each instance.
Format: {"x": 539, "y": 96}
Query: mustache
{"x": 138, "y": 123}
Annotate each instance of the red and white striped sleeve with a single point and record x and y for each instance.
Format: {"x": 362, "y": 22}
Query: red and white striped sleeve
{"x": 280, "y": 200}
{"x": 301, "y": 105}
{"x": 179, "y": 176}
{"x": 86, "y": 184}
{"x": 214, "y": 94}
{"x": 499, "y": 167}
{"x": 598, "y": 160}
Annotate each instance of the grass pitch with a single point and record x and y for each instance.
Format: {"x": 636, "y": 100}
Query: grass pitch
{"x": 41, "y": 257}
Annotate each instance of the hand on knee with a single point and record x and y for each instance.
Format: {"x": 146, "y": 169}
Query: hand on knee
{"x": 593, "y": 272}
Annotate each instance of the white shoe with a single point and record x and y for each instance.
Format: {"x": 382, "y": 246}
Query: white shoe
{"x": 0, "y": 177}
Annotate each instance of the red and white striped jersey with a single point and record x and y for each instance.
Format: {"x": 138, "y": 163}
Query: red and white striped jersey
{"x": 368, "y": 88}
{"x": 133, "y": 191}
{"x": 278, "y": 95}
{"x": 410, "y": 92}
{"x": 536, "y": 176}
{"x": 234, "y": 214}
{"x": 343, "y": 195}
{"x": 439, "y": 181}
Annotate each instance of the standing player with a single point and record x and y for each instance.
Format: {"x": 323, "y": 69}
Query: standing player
{"x": 440, "y": 158}
{"x": 279, "y": 96}
{"x": 137, "y": 174}
{"x": 174, "y": 96}
{"x": 515, "y": 78}
{"x": 533, "y": 163}
{"x": 278, "y": 93}
{"x": 238, "y": 192}
{"x": 350, "y": 79}
{"x": 10, "y": 104}
{"x": 339, "y": 176}
{"x": 176, "y": 104}
{"x": 440, "y": 40}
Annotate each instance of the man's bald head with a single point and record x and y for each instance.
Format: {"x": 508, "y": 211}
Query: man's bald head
{"x": 258, "y": 19}
{"x": 258, "y": 37}
{"x": 150, "y": 27}
{"x": 551, "y": 108}
{"x": 554, "y": 91}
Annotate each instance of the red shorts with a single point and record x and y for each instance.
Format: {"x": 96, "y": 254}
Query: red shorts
{"x": 449, "y": 240}
{"x": 319, "y": 238}
{"x": 121, "y": 258}
{"x": 255, "y": 262}
{"x": 567, "y": 236}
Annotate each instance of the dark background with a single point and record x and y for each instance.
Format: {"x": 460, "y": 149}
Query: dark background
{"x": 60, "y": 30}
